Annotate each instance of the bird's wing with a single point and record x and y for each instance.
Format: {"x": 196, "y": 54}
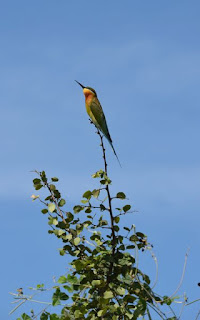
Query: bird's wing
{"x": 100, "y": 119}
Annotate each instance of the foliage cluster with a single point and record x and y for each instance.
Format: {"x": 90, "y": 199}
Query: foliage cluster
{"x": 104, "y": 280}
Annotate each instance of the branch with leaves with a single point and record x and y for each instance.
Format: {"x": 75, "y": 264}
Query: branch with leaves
{"x": 105, "y": 281}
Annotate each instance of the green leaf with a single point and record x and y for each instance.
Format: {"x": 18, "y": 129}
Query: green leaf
{"x": 79, "y": 265}
{"x": 104, "y": 182}
{"x": 77, "y": 241}
{"x": 70, "y": 216}
{"x": 58, "y": 232}
{"x": 52, "y": 187}
{"x": 102, "y": 207}
{"x": 101, "y": 312}
{"x": 116, "y": 228}
{"x": 53, "y": 220}
{"x": 43, "y": 176}
{"x": 48, "y": 198}
{"x": 61, "y": 203}
{"x": 36, "y": 181}
{"x": 54, "y": 316}
{"x": 88, "y": 210}
{"x": 108, "y": 295}
{"x": 62, "y": 279}
{"x": 87, "y": 194}
{"x": 72, "y": 279}
{"x": 133, "y": 238}
{"x": 56, "y": 297}
{"x": 44, "y": 316}
{"x": 77, "y": 314}
{"x": 167, "y": 300}
{"x": 130, "y": 247}
{"x": 121, "y": 291}
{"x": 38, "y": 186}
{"x": 98, "y": 174}
{"x": 103, "y": 222}
{"x": 129, "y": 315}
{"x": 68, "y": 237}
{"x": 62, "y": 252}
{"x": 116, "y": 219}
{"x": 77, "y": 209}
{"x": 51, "y": 207}
{"x": 84, "y": 201}
{"x": 146, "y": 278}
{"x": 95, "y": 193}
{"x": 44, "y": 211}
{"x": 96, "y": 282}
{"x": 57, "y": 194}
{"x": 25, "y": 317}
{"x": 63, "y": 296}
{"x": 127, "y": 208}
{"x": 129, "y": 298}
{"x": 121, "y": 195}
{"x": 54, "y": 179}
{"x": 140, "y": 234}
{"x": 66, "y": 287}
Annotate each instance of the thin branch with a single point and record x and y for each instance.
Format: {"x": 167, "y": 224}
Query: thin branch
{"x": 161, "y": 314}
{"x": 187, "y": 304}
{"x": 28, "y": 298}
{"x": 93, "y": 207}
{"x": 156, "y": 263}
{"x": 183, "y": 274}
{"x": 182, "y": 307}
{"x": 43, "y": 310}
{"x": 148, "y": 313}
{"x": 13, "y": 310}
{"x": 109, "y": 201}
{"x": 172, "y": 311}
{"x": 108, "y": 191}
{"x": 198, "y": 314}
{"x": 181, "y": 281}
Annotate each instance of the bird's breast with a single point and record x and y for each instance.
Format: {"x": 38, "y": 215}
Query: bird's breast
{"x": 88, "y": 102}
{"x": 88, "y": 109}
{"x": 88, "y": 98}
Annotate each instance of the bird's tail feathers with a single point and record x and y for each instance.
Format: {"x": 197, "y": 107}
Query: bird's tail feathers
{"x": 115, "y": 154}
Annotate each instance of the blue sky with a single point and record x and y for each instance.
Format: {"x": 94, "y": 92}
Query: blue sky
{"x": 143, "y": 59}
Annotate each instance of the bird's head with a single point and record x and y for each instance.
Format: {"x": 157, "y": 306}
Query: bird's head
{"x": 88, "y": 91}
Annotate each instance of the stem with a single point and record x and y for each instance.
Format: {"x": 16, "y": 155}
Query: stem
{"x": 187, "y": 304}
{"x": 183, "y": 274}
{"x": 198, "y": 314}
{"x": 109, "y": 202}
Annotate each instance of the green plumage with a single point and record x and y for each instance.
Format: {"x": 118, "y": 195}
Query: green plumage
{"x": 96, "y": 113}
{"x": 99, "y": 119}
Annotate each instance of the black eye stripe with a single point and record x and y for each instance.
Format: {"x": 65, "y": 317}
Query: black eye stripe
{"x": 91, "y": 89}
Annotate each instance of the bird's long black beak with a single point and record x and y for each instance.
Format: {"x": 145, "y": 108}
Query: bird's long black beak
{"x": 80, "y": 84}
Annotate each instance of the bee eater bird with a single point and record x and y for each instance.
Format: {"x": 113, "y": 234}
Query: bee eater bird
{"x": 96, "y": 114}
